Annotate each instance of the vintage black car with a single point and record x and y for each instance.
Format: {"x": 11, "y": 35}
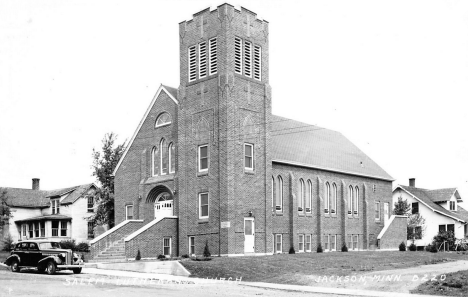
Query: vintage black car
{"x": 45, "y": 256}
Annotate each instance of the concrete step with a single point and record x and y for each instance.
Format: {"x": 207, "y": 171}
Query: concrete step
{"x": 109, "y": 257}
{"x": 111, "y": 254}
{"x": 108, "y": 261}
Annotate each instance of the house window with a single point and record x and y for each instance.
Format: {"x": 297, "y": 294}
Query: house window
{"x": 350, "y": 200}
{"x": 163, "y": 156}
{"x": 55, "y": 228}
{"x": 442, "y": 228}
{"x": 451, "y": 228}
{"x": 213, "y": 56}
{"x": 31, "y": 230}
{"x": 308, "y": 243}
{"x": 278, "y": 243}
{"x": 163, "y": 119}
{"x": 55, "y": 206}
{"x": 333, "y": 200}
{"x": 452, "y": 205}
{"x": 273, "y": 193}
{"x": 247, "y": 59}
{"x": 24, "y": 228}
{"x": 42, "y": 224}
{"x": 36, "y": 229}
{"x": 192, "y": 53}
{"x": 248, "y": 156}
{"x": 90, "y": 230}
{"x": 308, "y": 203}
{"x": 167, "y": 246}
{"x": 90, "y": 204}
{"x": 129, "y": 212}
{"x": 301, "y": 242}
{"x": 63, "y": 228}
{"x": 238, "y": 55}
{"x": 377, "y": 210}
{"x": 154, "y": 161}
{"x": 203, "y": 203}
{"x": 326, "y": 243}
{"x": 327, "y": 198}
{"x": 192, "y": 245}
{"x": 300, "y": 196}
{"x": 279, "y": 195}
{"x": 414, "y": 208}
{"x": 355, "y": 242}
{"x": 333, "y": 243}
{"x": 171, "y": 158}
{"x": 202, "y": 69}
{"x": 257, "y": 62}
{"x": 356, "y": 201}
{"x": 203, "y": 158}
{"x": 418, "y": 232}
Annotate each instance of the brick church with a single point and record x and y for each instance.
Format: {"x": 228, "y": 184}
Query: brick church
{"x": 210, "y": 164}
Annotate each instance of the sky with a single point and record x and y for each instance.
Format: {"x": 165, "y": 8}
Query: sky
{"x": 392, "y": 76}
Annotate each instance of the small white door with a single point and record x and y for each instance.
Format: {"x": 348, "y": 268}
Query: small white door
{"x": 385, "y": 212}
{"x": 249, "y": 234}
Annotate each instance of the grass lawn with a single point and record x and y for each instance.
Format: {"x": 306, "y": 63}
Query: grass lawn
{"x": 297, "y": 268}
{"x": 3, "y": 256}
{"x": 456, "y": 284}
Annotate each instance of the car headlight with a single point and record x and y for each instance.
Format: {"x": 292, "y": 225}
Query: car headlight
{"x": 63, "y": 255}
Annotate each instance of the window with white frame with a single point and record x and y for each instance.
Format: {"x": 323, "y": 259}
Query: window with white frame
{"x": 350, "y": 200}
{"x": 247, "y": 58}
{"x": 42, "y": 225}
{"x": 238, "y": 55}
{"x": 192, "y": 53}
{"x": 171, "y": 158}
{"x": 248, "y": 156}
{"x": 327, "y": 198}
{"x": 278, "y": 243}
{"x": 63, "y": 228}
{"x": 452, "y": 205}
{"x": 273, "y": 193}
{"x": 36, "y": 229}
{"x": 377, "y": 210}
{"x": 167, "y": 246}
{"x": 154, "y": 161}
{"x": 55, "y": 204}
{"x": 203, "y": 202}
{"x": 90, "y": 204}
{"x": 129, "y": 212}
{"x": 24, "y": 227}
{"x": 213, "y": 54}
{"x": 203, "y": 158}
{"x": 192, "y": 245}
{"x": 308, "y": 204}
{"x": 300, "y": 196}
{"x": 326, "y": 243}
{"x": 333, "y": 242}
{"x": 355, "y": 242}
{"x": 31, "y": 230}
{"x": 202, "y": 60}
{"x": 350, "y": 242}
{"x": 257, "y": 62}
{"x": 308, "y": 243}
{"x": 163, "y": 119}
{"x": 333, "y": 199}
{"x": 301, "y": 242}
{"x": 279, "y": 195}
{"x": 55, "y": 228}
{"x": 356, "y": 201}
{"x": 163, "y": 156}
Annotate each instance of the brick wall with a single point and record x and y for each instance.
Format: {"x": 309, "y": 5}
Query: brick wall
{"x": 395, "y": 234}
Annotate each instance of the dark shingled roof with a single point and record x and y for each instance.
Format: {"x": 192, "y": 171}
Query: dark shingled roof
{"x": 40, "y": 198}
{"x": 77, "y": 193}
{"x": 426, "y": 196}
{"x": 171, "y": 90}
{"x": 441, "y": 195}
{"x": 313, "y": 146}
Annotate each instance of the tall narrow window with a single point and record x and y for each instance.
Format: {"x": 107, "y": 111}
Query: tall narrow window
{"x": 203, "y": 158}
{"x": 300, "y": 196}
{"x": 55, "y": 228}
{"x": 163, "y": 156}
{"x": 90, "y": 230}
{"x": 308, "y": 243}
{"x": 327, "y": 198}
{"x": 192, "y": 53}
{"x": 31, "y": 230}
{"x": 24, "y": 228}
{"x": 355, "y": 242}
{"x": 55, "y": 206}
{"x": 248, "y": 59}
{"x": 203, "y": 203}
{"x": 327, "y": 243}
{"x": 192, "y": 245}
{"x": 213, "y": 48}
{"x": 167, "y": 247}
{"x": 90, "y": 204}
{"x": 129, "y": 212}
{"x": 278, "y": 243}
{"x": 202, "y": 60}
{"x": 333, "y": 243}
{"x": 414, "y": 208}
{"x": 63, "y": 228}
{"x": 350, "y": 200}
{"x": 258, "y": 62}
{"x": 356, "y": 201}
{"x": 248, "y": 156}
{"x": 238, "y": 55}
{"x": 42, "y": 224}
{"x": 273, "y": 192}
{"x": 36, "y": 229}
{"x": 154, "y": 161}
{"x": 171, "y": 158}
{"x": 334, "y": 197}
{"x": 308, "y": 203}
{"x": 279, "y": 195}
{"x": 377, "y": 210}
{"x": 301, "y": 242}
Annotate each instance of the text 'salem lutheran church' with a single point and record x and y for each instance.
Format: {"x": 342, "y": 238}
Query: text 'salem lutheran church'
{"x": 210, "y": 164}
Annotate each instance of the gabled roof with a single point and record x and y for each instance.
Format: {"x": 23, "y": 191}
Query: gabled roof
{"x": 172, "y": 93}
{"x": 424, "y": 196}
{"x": 311, "y": 146}
{"x": 39, "y": 198}
{"x": 77, "y": 193}
{"x": 442, "y": 195}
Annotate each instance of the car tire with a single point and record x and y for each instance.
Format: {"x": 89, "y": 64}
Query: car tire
{"x": 76, "y": 270}
{"x": 51, "y": 268}
{"x": 15, "y": 266}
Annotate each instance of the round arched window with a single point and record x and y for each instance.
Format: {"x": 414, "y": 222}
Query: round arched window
{"x": 163, "y": 120}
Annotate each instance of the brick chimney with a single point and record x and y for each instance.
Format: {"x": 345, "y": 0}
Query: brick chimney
{"x": 412, "y": 182}
{"x": 35, "y": 184}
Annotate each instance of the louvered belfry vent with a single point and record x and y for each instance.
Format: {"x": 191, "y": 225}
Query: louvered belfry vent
{"x": 202, "y": 60}
{"x": 192, "y": 63}
{"x": 258, "y": 62}
{"x": 238, "y": 55}
{"x": 213, "y": 54}
{"x": 248, "y": 59}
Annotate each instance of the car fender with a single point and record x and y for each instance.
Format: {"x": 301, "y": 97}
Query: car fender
{"x": 8, "y": 260}
{"x": 43, "y": 262}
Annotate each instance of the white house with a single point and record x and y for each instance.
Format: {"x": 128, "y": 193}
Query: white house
{"x": 440, "y": 208}
{"x": 58, "y": 214}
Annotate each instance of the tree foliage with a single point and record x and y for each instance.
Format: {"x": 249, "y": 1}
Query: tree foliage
{"x": 104, "y": 163}
{"x": 5, "y": 211}
{"x": 416, "y": 226}
{"x": 402, "y": 207}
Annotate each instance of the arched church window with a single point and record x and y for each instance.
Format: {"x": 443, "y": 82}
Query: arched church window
{"x": 163, "y": 119}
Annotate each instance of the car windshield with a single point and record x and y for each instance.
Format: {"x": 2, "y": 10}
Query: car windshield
{"x": 49, "y": 245}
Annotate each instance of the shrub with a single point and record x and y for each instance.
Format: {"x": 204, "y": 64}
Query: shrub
{"x": 185, "y": 256}
{"x": 161, "y": 257}
{"x": 402, "y": 247}
{"x": 68, "y": 244}
{"x": 82, "y": 247}
{"x": 291, "y": 250}
{"x": 206, "y": 251}
{"x": 447, "y": 236}
{"x": 344, "y": 248}
{"x": 319, "y": 248}
{"x": 138, "y": 255}
{"x": 7, "y": 243}
{"x": 202, "y": 259}
{"x": 412, "y": 247}
{"x": 431, "y": 248}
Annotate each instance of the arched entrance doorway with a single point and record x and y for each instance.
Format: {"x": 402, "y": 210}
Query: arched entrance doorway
{"x": 162, "y": 202}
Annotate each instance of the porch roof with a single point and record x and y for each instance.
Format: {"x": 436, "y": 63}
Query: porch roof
{"x": 46, "y": 218}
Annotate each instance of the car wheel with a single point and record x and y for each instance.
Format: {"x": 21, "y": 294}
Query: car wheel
{"x": 51, "y": 268}
{"x": 15, "y": 266}
{"x": 76, "y": 270}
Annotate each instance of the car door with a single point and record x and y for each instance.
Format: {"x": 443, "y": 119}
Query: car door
{"x": 34, "y": 254}
{"x": 23, "y": 253}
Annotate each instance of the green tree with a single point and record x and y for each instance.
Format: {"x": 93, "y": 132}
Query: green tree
{"x": 401, "y": 207}
{"x": 104, "y": 163}
{"x": 5, "y": 211}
